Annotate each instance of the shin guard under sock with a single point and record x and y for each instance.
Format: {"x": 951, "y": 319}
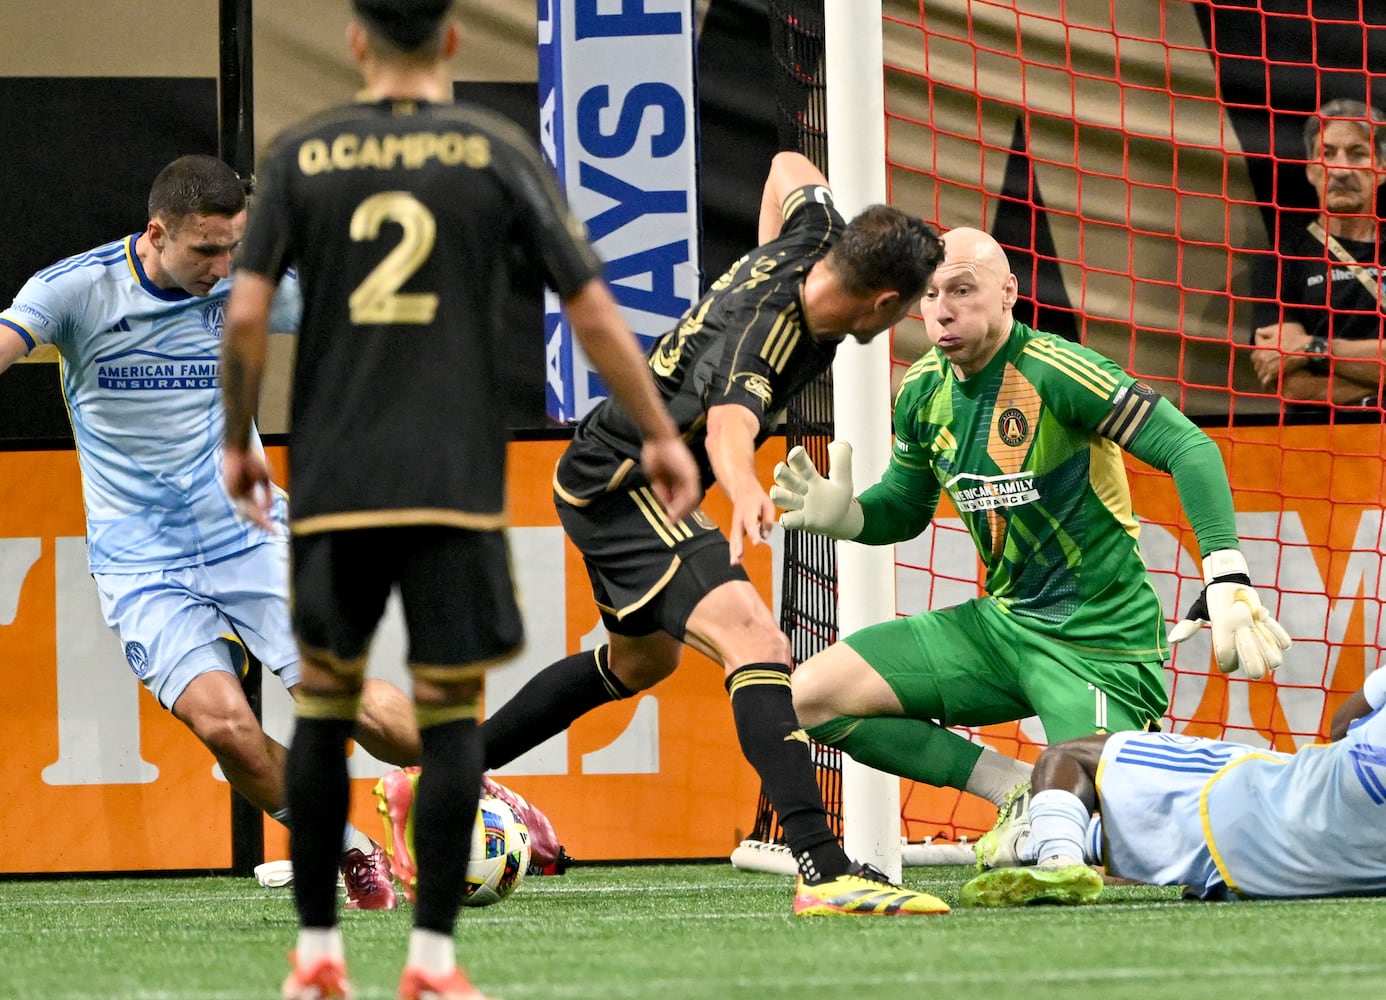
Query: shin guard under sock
{"x": 444, "y": 814}
{"x": 776, "y": 746}
{"x": 552, "y": 701}
{"x": 318, "y": 792}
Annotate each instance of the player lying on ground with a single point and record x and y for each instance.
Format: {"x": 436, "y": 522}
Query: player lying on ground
{"x": 1226, "y": 820}
{"x": 1024, "y": 432}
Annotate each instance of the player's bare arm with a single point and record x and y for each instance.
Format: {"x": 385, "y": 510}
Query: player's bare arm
{"x": 243, "y": 350}
{"x": 12, "y": 347}
{"x": 1349, "y": 711}
{"x": 731, "y": 449}
{"x": 788, "y": 172}
{"x": 615, "y": 353}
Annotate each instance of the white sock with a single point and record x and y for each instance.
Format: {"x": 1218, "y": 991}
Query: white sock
{"x": 995, "y": 776}
{"x": 1092, "y": 845}
{"x": 1058, "y": 824}
{"x": 352, "y": 837}
{"x": 316, "y": 943}
{"x": 433, "y": 952}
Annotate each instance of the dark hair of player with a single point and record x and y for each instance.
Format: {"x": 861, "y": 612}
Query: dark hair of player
{"x": 195, "y": 185}
{"x": 883, "y": 248}
{"x": 410, "y": 30}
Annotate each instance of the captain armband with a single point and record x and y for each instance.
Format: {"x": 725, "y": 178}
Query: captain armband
{"x": 1131, "y": 408}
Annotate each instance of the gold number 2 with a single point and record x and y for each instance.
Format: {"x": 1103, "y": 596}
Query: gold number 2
{"x": 378, "y": 299}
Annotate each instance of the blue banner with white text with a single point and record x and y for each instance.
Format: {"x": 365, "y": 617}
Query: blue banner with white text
{"x": 618, "y": 121}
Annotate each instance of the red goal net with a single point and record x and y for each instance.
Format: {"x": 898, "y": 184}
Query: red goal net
{"x": 1144, "y": 166}
{"x": 1140, "y": 163}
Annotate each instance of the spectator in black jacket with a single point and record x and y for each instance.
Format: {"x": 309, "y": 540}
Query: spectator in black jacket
{"x": 1317, "y": 324}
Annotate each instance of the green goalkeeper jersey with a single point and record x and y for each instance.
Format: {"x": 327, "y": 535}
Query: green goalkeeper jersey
{"x": 1029, "y": 452}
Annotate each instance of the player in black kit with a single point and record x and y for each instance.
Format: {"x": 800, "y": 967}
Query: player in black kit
{"x": 763, "y": 331}
{"x": 402, "y": 214}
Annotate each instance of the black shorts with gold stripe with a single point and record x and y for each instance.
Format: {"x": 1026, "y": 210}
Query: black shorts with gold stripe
{"x": 648, "y": 573}
{"x": 455, "y": 586}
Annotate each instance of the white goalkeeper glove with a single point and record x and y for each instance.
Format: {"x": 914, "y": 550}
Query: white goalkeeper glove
{"x": 812, "y": 503}
{"x": 1244, "y": 633}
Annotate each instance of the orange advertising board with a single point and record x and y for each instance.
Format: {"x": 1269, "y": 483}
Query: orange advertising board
{"x": 99, "y": 778}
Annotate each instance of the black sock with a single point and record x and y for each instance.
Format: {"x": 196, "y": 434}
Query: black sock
{"x": 319, "y": 794}
{"x": 552, "y": 701}
{"x": 778, "y": 749}
{"x": 444, "y": 814}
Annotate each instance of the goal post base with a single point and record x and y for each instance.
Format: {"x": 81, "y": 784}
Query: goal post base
{"x": 775, "y": 859}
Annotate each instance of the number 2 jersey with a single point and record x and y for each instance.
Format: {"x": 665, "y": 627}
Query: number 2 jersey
{"x": 405, "y": 220}
{"x": 1029, "y": 452}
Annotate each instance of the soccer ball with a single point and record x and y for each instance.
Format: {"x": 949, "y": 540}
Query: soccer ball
{"x": 499, "y": 855}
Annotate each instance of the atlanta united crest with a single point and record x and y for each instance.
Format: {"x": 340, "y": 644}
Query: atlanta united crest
{"x": 1013, "y": 426}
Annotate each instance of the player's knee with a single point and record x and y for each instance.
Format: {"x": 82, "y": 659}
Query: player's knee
{"x": 759, "y": 641}
{"x": 812, "y": 697}
{"x": 385, "y": 724}
{"x": 231, "y": 735}
{"x": 445, "y": 689}
{"x": 640, "y": 668}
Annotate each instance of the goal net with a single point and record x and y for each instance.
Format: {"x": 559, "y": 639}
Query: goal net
{"x": 1137, "y": 161}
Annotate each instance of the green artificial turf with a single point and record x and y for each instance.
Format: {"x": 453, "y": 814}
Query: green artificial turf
{"x": 692, "y": 932}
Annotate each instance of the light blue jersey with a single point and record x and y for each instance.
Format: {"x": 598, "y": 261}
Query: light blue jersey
{"x": 140, "y": 374}
{"x": 1216, "y": 816}
{"x": 1312, "y": 823}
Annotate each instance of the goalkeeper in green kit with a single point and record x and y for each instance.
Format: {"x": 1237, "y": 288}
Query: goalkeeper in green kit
{"x": 1024, "y": 431}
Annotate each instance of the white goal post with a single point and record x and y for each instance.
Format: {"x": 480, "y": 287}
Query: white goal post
{"x": 861, "y": 391}
{"x": 861, "y": 407}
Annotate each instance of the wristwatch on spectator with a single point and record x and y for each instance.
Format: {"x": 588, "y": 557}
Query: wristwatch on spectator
{"x": 1318, "y": 356}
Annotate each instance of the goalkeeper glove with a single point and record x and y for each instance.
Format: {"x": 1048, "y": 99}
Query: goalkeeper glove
{"x": 1244, "y": 633}
{"x": 812, "y": 503}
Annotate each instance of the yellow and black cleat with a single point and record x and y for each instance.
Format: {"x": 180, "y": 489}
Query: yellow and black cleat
{"x": 863, "y": 891}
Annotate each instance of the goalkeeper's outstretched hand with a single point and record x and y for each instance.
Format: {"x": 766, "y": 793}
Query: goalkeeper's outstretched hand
{"x": 812, "y": 503}
{"x": 1244, "y": 633}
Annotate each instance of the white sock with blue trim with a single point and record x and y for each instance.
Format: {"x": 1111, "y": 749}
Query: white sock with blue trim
{"x": 1058, "y": 826}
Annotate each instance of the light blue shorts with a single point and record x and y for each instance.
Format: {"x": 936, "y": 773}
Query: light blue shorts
{"x": 1150, "y": 787}
{"x": 176, "y": 625}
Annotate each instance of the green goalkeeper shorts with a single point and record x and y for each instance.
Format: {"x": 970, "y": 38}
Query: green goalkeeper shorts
{"x": 975, "y": 665}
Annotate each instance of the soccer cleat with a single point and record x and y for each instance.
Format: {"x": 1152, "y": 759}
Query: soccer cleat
{"x": 316, "y": 980}
{"x": 1004, "y": 844}
{"x": 1059, "y": 881}
{"x": 394, "y": 794}
{"x": 368, "y": 882}
{"x": 416, "y": 984}
{"x": 546, "y": 854}
{"x": 863, "y": 891}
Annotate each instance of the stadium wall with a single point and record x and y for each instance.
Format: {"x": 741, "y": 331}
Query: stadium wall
{"x": 98, "y": 778}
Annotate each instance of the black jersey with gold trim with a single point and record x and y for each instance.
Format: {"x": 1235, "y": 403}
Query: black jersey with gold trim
{"x": 744, "y": 342}
{"x": 404, "y": 220}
